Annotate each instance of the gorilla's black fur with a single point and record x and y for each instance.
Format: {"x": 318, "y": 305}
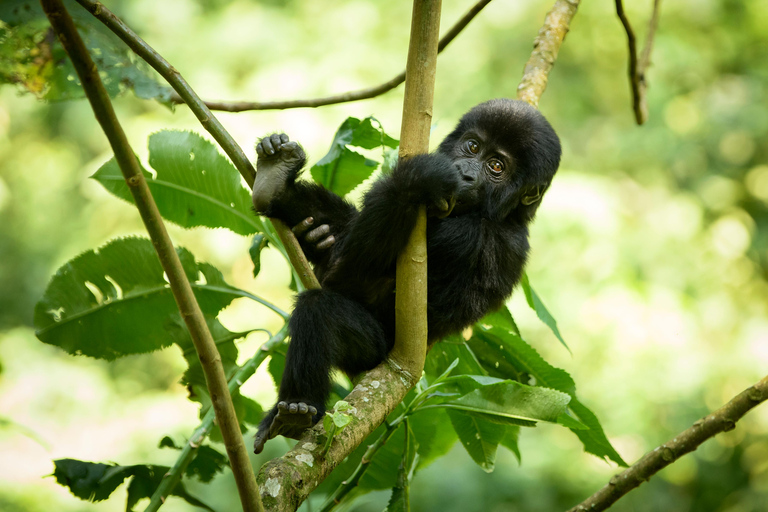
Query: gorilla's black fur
{"x": 482, "y": 187}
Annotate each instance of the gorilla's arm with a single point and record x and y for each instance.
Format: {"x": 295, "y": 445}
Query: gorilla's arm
{"x": 277, "y": 193}
{"x": 389, "y": 213}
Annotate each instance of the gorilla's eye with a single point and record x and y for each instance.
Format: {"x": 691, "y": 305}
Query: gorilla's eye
{"x": 496, "y": 166}
{"x": 473, "y": 146}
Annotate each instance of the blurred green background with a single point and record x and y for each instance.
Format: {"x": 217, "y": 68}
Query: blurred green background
{"x": 651, "y": 248}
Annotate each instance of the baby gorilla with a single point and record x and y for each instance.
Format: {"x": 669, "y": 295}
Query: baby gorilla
{"x": 481, "y": 188}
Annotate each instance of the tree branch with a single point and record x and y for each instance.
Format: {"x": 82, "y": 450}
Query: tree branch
{"x": 362, "y": 94}
{"x": 722, "y": 420}
{"x": 287, "y": 481}
{"x": 545, "y": 49}
{"x": 209, "y": 356}
{"x": 172, "y": 478}
{"x": 637, "y": 68}
{"x": 206, "y": 118}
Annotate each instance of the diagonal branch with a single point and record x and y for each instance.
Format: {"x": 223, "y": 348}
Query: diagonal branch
{"x": 210, "y": 359}
{"x": 207, "y": 119}
{"x": 362, "y": 94}
{"x": 722, "y": 420}
{"x": 545, "y": 49}
{"x": 638, "y": 67}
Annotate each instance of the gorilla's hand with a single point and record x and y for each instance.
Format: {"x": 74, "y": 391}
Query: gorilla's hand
{"x": 320, "y": 237}
{"x": 280, "y": 159}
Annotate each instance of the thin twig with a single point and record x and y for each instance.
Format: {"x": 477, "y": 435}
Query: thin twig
{"x": 362, "y": 94}
{"x": 172, "y": 478}
{"x": 545, "y": 49}
{"x": 210, "y": 359}
{"x": 206, "y": 118}
{"x": 722, "y": 420}
{"x": 638, "y": 67}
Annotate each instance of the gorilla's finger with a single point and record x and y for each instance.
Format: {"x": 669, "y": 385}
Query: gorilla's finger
{"x": 325, "y": 244}
{"x": 302, "y": 226}
{"x": 318, "y": 233}
{"x": 266, "y": 144}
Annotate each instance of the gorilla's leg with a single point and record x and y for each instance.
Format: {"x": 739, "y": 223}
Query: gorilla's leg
{"x": 327, "y": 330}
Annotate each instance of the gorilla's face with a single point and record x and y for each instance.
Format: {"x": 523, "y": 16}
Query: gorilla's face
{"x": 506, "y": 154}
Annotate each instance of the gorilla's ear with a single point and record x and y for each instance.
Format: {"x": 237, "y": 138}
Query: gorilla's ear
{"x": 532, "y": 196}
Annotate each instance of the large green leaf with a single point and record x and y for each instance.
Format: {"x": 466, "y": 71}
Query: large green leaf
{"x": 91, "y": 481}
{"x": 115, "y": 301}
{"x": 535, "y": 302}
{"x": 342, "y": 169}
{"x": 37, "y": 62}
{"x": 509, "y": 402}
{"x": 503, "y": 354}
{"x": 194, "y": 186}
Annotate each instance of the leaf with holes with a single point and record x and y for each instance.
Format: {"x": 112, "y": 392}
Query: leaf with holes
{"x": 115, "y": 301}
{"x": 195, "y": 185}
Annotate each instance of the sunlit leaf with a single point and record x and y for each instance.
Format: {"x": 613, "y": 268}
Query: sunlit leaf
{"x": 503, "y": 354}
{"x": 342, "y": 169}
{"x": 195, "y": 185}
{"x": 510, "y": 400}
{"x": 115, "y": 301}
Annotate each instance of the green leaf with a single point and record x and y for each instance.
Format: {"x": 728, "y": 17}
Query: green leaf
{"x": 541, "y": 310}
{"x": 89, "y": 481}
{"x": 206, "y": 464}
{"x": 399, "y": 501}
{"x": 43, "y": 68}
{"x": 342, "y": 169}
{"x": 258, "y": 244}
{"x": 501, "y": 318}
{"x": 443, "y": 354}
{"x": 503, "y": 353}
{"x": 479, "y": 437}
{"x": 115, "y": 301}
{"x": 434, "y": 435}
{"x": 92, "y": 481}
{"x": 195, "y": 185}
{"x": 510, "y": 441}
{"x": 511, "y": 400}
